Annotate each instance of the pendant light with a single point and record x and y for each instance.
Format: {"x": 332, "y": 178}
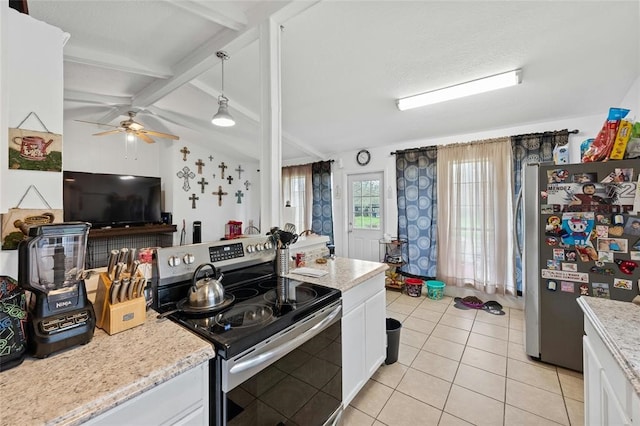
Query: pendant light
{"x": 222, "y": 117}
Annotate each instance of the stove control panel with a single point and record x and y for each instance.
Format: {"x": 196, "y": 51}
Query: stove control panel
{"x": 180, "y": 262}
{"x": 226, "y": 252}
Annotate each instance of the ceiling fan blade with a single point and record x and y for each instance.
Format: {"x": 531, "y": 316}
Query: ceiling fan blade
{"x": 108, "y": 132}
{"x": 160, "y": 134}
{"x": 93, "y": 122}
{"x": 145, "y": 138}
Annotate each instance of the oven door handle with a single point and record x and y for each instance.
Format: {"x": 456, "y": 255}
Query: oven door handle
{"x": 284, "y": 349}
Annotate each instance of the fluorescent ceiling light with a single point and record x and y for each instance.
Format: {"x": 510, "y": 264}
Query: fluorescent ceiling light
{"x": 474, "y": 87}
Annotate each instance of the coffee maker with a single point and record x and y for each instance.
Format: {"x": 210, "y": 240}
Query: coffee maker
{"x": 51, "y": 267}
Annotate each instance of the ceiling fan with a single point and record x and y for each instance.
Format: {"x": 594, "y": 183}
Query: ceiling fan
{"x": 133, "y": 128}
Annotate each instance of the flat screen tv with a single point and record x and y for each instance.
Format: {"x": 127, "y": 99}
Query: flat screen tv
{"x": 111, "y": 200}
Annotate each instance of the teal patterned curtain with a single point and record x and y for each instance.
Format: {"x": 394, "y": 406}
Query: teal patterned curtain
{"x": 322, "y": 210}
{"x": 530, "y": 149}
{"x": 416, "y": 173}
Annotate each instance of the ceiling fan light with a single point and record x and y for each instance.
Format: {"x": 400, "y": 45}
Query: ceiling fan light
{"x": 222, "y": 117}
{"x": 131, "y": 137}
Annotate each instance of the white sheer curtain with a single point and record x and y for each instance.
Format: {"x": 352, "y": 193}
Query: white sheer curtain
{"x": 297, "y": 189}
{"x": 475, "y": 220}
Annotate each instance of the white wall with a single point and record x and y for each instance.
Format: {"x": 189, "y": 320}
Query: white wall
{"x": 31, "y": 80}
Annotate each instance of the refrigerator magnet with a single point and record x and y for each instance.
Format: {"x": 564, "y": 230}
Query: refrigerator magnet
{"x": 584, "y": 290}
{"x": 634, "y": 255}
{"x": 553, "y": 265}
{"x": 551, "y": 241}
{"x": 622, "y": 283}
{"x": 603, "y": 219}
{"x": 600, "y": 290}
{"x": 568, "y": 287}
{"x": 571, "y": 267}
{"x": 626, "y": 266}
{"x": 571, "y": 255}
{"x": 558, "y": 254}
{"x": 552, "y": 285}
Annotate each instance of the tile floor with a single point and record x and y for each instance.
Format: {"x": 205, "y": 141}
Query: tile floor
{"x": 462, "y": 367}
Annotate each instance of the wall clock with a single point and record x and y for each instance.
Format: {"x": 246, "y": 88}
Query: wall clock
{"x": 363, "y": 157}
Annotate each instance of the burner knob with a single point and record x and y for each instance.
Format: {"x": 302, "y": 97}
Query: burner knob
{"x": 174, "y": 261}
{"x": 188, "y": 259}
{"x": 250, "y": 249}
{"x": 268, "y": 245}
{"x": 259, "y": 247}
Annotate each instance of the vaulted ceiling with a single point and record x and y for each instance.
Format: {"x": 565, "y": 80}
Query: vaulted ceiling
{"x": 343, "y": 65}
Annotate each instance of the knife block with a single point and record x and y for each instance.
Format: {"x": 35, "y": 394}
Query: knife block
{"x": 121, "y": 316}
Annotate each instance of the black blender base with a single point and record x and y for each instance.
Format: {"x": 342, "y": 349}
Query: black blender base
{"x": 41, "y": 345}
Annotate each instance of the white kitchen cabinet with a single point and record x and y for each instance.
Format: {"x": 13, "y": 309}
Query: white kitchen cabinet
{"x": 610, "y": 399}
{"x": 182, "y": 400}
{"x": 363, "y": 334}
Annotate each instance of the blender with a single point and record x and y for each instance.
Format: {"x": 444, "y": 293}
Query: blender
{"x": 51, "y": 267}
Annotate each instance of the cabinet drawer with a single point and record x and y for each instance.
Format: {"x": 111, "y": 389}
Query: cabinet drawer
{"x": 357, "y": 295}
{"x": 182, "y": 399}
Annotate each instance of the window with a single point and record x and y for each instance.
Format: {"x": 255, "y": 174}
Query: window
{"x": 366, "y": 204}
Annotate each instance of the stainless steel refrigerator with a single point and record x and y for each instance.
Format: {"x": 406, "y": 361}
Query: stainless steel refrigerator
{"x": 581, "y": 237}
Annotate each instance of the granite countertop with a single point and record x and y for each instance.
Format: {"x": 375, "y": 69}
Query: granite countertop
{"x": 79, "y": 383}
{"x": 343, "y": 273}
{"x": 617, "y": 324}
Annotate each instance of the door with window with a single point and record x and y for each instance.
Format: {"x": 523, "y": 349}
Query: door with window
{"x": 365, "y": 215}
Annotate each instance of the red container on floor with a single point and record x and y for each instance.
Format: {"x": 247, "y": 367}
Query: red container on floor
{"x": 413, "y": 286}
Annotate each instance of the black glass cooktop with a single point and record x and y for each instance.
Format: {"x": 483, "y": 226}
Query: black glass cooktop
{"x": 261, "y": 309}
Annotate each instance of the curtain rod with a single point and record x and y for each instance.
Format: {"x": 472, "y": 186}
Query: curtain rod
{"x": 296, "y": 165}
{"x": 555, "y": 132}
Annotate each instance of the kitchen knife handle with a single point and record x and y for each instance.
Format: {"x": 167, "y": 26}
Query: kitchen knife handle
{"x": 131, "y": 286}
{"x": 142, "y": 283}
{"x": 118, "y": 271}
{"x": 113, "y": 292}
{"x": 123, "y": 255}
{"x": 111, "y": 263}
{"x": 124, "y": 287}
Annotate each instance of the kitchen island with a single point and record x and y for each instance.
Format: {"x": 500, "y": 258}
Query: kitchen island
{"x": 611, "y": 349}
{"x": 91, "y": 382}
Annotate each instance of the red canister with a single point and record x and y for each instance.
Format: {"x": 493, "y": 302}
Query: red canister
{"x": 300, "y": 259}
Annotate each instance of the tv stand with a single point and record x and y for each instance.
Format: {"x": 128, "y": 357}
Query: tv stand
{"x": 108, "y": 232}
{"x": 103, "y": 240}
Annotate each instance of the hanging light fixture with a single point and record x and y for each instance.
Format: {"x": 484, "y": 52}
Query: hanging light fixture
{"x": 222, "y": 117}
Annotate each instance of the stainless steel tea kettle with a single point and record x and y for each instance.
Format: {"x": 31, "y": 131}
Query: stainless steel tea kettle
{"x": 206, "y": 292}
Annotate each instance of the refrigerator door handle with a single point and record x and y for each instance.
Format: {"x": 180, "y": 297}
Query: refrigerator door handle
{"x": 517, "y": 217}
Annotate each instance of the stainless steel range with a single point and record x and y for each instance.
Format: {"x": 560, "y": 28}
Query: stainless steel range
{"x": 277, "y": 340}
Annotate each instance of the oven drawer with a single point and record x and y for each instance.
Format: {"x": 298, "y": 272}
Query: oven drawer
{"x": 181, "y": 400}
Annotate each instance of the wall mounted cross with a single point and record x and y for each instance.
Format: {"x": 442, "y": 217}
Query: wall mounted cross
{"x": 193, "y": 199}
{"x": 202, "y": 183}
{"x": 220, "y": 193}
{"x": 184, "y": 152}
{"x": 239, "y": 170}
{"x": 222, "y": 166}
{"x": 229, "y": 179}
{"x": 199, "y": 163}
{"x": 211, "y": 158}
{"x": 186, "y": 174}
{"x": 247, "y": 184}
{"x": 239, "y": 196}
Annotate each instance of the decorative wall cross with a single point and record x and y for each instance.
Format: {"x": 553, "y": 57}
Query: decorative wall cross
{"x": 211, "y": 158}
{"x": 199, "y": 163}
{"x": 202, "y": 183}
{"x": 229, "y": 179}
{"x": 193, "y": 199}
{"x": 186, "y": 174}
{"x": 184, "y": 152}
{"x": 222, "y": 166}
{"x": 247, "y": 184}
{"x": 239, "y": 170}
{"x": 239, "y": 195}
{"x": 220, "y": 193}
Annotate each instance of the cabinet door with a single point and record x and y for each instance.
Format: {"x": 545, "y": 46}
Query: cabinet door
{"x": 592, "y": 369}
{"x": 353, "y": 353}
{"x": 376, "y": 334}
{"x": 614, "y": 414}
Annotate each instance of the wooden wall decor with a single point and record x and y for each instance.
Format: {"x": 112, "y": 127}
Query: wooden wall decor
{"x": 220, "y": 193}
{"x": 186, "y": 174}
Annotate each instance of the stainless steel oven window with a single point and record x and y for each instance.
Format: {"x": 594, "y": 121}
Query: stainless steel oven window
{"x": 303, "y": 387}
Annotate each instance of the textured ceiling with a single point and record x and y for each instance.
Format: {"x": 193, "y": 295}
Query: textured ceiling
{"x": 343, "y": 65}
